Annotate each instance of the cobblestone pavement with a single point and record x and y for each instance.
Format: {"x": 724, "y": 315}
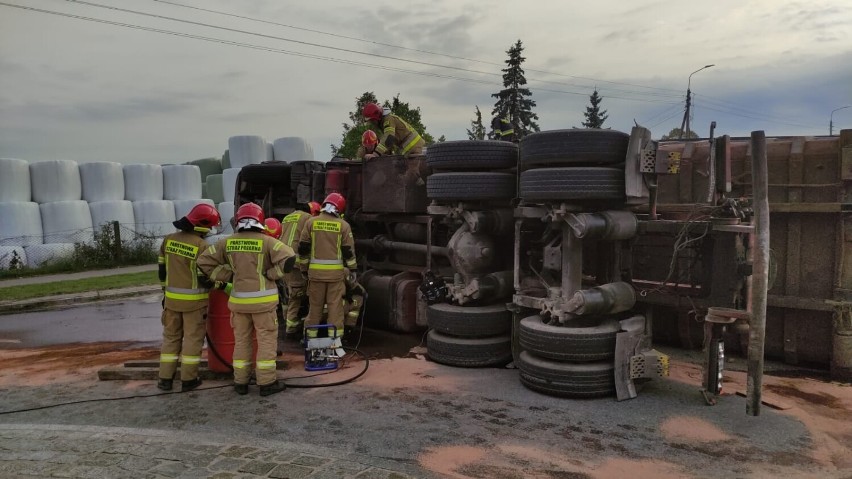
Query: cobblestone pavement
{"x": 39, "y": 450}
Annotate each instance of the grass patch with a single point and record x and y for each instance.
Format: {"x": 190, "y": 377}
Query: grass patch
{"x": 107, "y": 251}
{"x": 17, "y": 293}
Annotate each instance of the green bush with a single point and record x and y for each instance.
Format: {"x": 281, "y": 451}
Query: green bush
{"x": 107, "y": 251}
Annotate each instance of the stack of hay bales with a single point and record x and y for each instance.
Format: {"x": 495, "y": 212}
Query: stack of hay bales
{"x": 65, "y": 218}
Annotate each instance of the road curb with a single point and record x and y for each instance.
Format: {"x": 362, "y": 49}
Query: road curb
{"x": 51, "y": 302}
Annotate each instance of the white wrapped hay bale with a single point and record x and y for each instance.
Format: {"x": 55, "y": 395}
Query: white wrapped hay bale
{"x": 181, "y": 182}
{"x": 143, "y": 182}
{"x": 154, "y": 217}
{"x": 55, "y": 180}
{"x": 229, "y": 183}
{"x": 15, "y": 180}
{"x": 41, "y": 254}
{"x": 247, "y": 150}
{"x": 292, "y": 148}
{"x": 226, "y": 211}
{"x": 105, "y": 212}
{"x": 214, "y": 188}
{"x": 66, "y": 222}
{"x": 20, "y": 224}
{"x": 102, "y": 181}
{"x": 182, "y": 207}
{"x": 12, "y": 257}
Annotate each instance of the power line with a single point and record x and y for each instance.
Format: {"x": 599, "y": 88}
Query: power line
{"x": 753, "y": 117}
{"x": 281, "y": 51}
{"x": 736, "y": 108}
{"x": 317, "y": 45}
{"x": 260, "y": 20}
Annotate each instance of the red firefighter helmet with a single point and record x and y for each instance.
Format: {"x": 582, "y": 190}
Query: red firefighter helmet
{"x": 314, "y": 208}
{"x": 250, "y": 210}
{"x": 372, "y": 112}
{"x": 369, "y": 139}
{"x": 203, "y": 217}
{"x": 272, "y": 227}
{"x": 337, "y": 200}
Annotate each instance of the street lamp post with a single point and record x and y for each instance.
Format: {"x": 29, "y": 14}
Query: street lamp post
{"x": 685, "y": 122}
{"x": 831, "y": 120}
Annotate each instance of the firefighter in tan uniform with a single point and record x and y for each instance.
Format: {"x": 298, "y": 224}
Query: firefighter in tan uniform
{"x": 397, "y": 136}
{"x": 369, "y": 142}
{"x": 292, "y": 228}
{"x": 185, "y": 303}
{"x": 326, "y": 247}
{"x": 255, "y": 261}
{"x": 353, "y": 301}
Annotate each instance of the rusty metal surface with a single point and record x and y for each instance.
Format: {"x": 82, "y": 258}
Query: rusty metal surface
{"x": 808, "y": 234}
{"x": 393, "y": 184}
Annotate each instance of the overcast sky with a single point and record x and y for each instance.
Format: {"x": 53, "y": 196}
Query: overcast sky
{"x": 87, "y": 91}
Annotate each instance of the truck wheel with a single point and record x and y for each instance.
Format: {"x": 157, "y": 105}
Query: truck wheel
{"x": 584, "y": 339}
{"x": 471, "y": 186}
{"x": 572, "y": 380}
{"x": 469, "y": 321}
{"x": 472, "y": 155}
{"x": 579, "y": 183}
{"x": 469, "y": 352}
{"x": 573, "y": 147}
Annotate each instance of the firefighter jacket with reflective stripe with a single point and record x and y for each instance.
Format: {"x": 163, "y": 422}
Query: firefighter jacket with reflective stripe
{"x": 184, "y": 290}
{"x": 292, "y": 227}
{"x": 406, "y": 139}
{"x": 359, "y": 155}
{"x": 255, "y": 262}
{"x": 327, "y": 247}
{"x": 504, "y": 132}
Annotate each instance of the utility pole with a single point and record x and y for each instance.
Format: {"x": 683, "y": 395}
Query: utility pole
{"x": 831, "y": 120}
{"x": 686, "y": 113}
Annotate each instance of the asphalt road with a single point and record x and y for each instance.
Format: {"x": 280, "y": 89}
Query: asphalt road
{"x": 454, "y": 422}
{"x": 136, "y": 319}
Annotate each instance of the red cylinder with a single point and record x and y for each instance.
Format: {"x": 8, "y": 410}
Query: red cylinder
{"x": 335, "y": 182}
{"x": 220, "y": 334}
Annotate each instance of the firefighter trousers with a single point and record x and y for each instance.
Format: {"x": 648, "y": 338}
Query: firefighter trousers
{"x": 265, "y": 326}
{"x": 183, "y": 335}
{"x": 320, "y": 294}
{"x": 296, "y": 295}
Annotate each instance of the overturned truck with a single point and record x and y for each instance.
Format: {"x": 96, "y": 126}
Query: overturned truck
{"x": 570, "y": 253}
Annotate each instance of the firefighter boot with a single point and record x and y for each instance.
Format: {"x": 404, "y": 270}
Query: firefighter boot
{"x": 241, "y": 389}
{"x": 272, "y": 388}
{"x": 189, "y": 385}
{"x": 164, "y": 384}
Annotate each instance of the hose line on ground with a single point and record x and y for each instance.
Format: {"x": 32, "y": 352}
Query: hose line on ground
{"x": 284, "y": 380}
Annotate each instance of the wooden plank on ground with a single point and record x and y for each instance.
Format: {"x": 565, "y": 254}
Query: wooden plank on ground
{"x": 772, "y": 400}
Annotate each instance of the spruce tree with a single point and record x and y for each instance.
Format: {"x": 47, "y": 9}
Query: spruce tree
{"x": 512, "y": 101}
{"x": 595, "y": 118}
{"x": 477, "y": 129}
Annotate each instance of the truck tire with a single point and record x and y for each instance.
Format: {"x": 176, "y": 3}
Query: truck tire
{"x": 469, "y": 352}
{"x": 472, "y": 155}
{"x": 573, "y": 147}
{"x": 273, "y": 172}
{"x": 584, "y": 339}
{"x": 579, "y": 183}
{"x": 571, "y": 380}
{"x": 471, "y": 186}
{"x": 469, "y": 321}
